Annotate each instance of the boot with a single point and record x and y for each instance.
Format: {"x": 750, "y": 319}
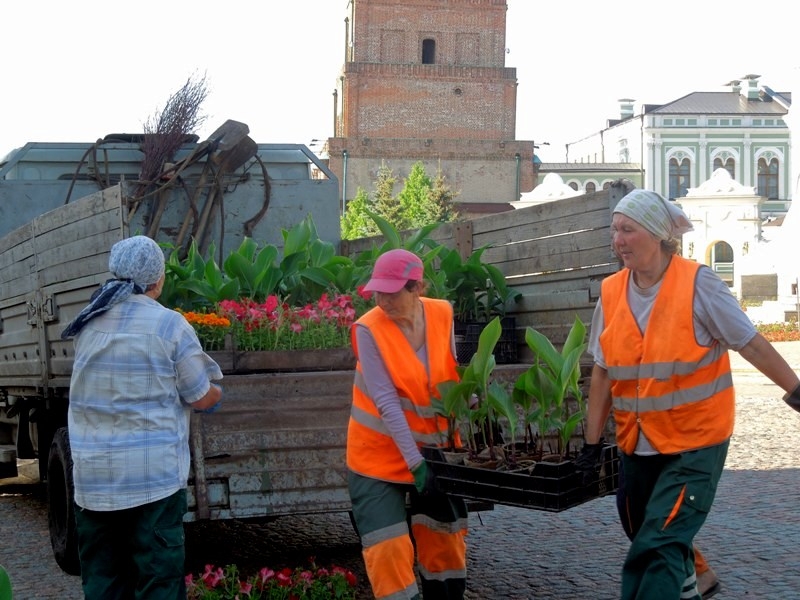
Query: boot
{"x": 708, "y": 584}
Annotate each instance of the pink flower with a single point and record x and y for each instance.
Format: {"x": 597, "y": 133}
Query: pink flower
{"x": 211, "y": 577}
{"x": 307, "y": 576}
{"x": 264, "y": 575}
{"x": 323, "y": 303}
{"x": 343, "y": 300}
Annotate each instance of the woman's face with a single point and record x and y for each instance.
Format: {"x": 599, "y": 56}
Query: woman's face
{"x": 398, "y": 305}
{"x": 635, "y": 246}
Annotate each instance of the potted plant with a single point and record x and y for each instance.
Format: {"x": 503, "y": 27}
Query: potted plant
{"x": 478, "y": 292}
{"x": 469, "y": 405}
{"x": 545, "y": 389}
{"x": 478, "y": 402}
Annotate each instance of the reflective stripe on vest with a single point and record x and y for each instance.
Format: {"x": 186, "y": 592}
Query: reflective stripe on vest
{"x": 664, "y": 384}
{"x": 370, "y": 449}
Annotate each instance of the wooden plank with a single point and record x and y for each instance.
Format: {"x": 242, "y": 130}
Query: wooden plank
{"x": 542, "y": 212}
{"x": 85, "y": 208}
{"x": 565, "y": 277}
{"x": 569, "y": 300}
{"x": 545, "y": 263}
{"x": 531, "y": 230}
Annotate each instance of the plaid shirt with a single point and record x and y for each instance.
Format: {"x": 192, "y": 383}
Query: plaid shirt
{"x": 137, "y": 369}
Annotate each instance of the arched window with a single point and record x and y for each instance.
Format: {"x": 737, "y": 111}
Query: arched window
{"x": 678, "y": 177}
{"x": 768, "y": 178}
{"x": 729, "y": 166}
{"x": 722, "y": 261}
{"x": 428, "y": 51}
{"x": 591, "y": 187}
{"x": 573, "y": 185}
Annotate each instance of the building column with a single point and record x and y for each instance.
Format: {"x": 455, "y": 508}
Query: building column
{"x": 658, "y": 168}
{"x": 747, "y": 162}
{"x": 702, "y": 162}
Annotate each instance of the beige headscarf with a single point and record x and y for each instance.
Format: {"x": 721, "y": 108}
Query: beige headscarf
{"x": 652, "y": 211}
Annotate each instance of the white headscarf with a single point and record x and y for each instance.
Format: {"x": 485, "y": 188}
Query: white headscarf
{"x": 138, "y": 259}
{"x": 655, "y": 213}
{"x": 136, "y": 262}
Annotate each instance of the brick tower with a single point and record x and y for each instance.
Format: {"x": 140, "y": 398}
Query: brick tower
{"x": 425, "y": 80}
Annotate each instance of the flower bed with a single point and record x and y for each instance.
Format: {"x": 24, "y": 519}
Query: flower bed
{"x": 249, "y": 326}
{"x": 313, "y": 583}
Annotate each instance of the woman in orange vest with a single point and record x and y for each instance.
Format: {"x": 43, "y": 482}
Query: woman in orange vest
{"x": 404, "y": 347}
{"x": 659, "y": 338}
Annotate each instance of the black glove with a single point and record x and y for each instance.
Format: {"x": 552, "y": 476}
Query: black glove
{"x": 588, "y": 461}
{"x": 424, "y": 479}
{"x": 793, "y": 398}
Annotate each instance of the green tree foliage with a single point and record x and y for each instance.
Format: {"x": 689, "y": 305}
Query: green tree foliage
{"x": 422, "y": 201}
{"x": 356, "y": 223}
{"x": 384, "y": 201}
{"x": 414, "y": 200}
{"x": 442, "y": 199}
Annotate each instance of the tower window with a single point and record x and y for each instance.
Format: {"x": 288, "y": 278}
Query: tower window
{"x": 428, "y": 51}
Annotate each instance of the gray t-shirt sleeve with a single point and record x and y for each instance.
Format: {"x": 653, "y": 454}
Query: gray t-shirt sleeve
{"x": 382, "y": 390}
{"x": 717, "y": 314}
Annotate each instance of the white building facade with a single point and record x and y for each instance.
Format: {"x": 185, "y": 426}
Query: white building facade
{"x": 679, "y": 145}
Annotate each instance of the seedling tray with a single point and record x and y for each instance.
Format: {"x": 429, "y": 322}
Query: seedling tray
{"x": 548, "y": 486}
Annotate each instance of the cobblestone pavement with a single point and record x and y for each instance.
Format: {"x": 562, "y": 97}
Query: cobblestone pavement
{"x": 751, "y": 536}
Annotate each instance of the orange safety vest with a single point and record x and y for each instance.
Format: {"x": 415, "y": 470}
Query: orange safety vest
{"x": 663, "y": 383}
{"x": 371, "y": 451}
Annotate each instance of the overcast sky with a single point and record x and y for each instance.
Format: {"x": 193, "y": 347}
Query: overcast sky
{"x": 77, "y": 71}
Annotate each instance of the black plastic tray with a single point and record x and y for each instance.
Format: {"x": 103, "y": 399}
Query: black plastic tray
{"x": 549, "y": 486}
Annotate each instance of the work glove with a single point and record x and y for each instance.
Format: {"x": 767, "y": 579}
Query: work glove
{"x": 424, "y": 479}
{"x": 793, "y": 398}
{"x": 588, "y": 461}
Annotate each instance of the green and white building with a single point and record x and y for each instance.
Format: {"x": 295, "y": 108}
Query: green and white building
{"x": 673, "y": 147}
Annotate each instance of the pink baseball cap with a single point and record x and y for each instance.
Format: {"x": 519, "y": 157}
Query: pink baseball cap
{"x": 392, "y": 270}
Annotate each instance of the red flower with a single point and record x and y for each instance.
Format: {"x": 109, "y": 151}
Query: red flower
{"x": 363, "y": 293}
{"x": 284, "y": 577}
{"x": 271, "y": 303}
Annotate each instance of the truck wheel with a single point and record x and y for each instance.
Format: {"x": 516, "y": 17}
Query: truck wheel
{"x": 61, "y": 505}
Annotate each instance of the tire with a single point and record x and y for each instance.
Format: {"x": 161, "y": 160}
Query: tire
{"x": 61, "y": 504}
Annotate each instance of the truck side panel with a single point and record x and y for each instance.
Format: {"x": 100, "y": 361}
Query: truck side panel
{"x": 48, "y": 271}
{"x": 275, "y": 447}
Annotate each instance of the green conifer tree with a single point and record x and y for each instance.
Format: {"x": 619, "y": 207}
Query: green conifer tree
{"x": 383, "y": 200}
{"x": 421, "y": 202}
{"x": 415, "y": 201}
{"x": 356, "y": 223}
{"x": 443, "y": 198}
